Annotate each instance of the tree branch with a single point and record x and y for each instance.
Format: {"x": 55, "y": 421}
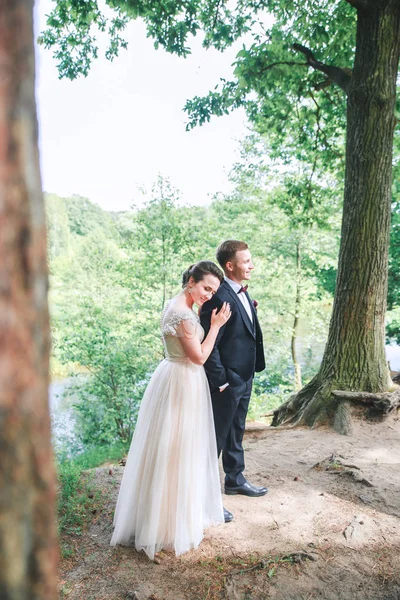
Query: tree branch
{"x": 341, "y": 77}
{"x": 216, "y": 14}
{"x": 285, "y": 62}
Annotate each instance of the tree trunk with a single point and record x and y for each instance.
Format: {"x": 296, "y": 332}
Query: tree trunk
{"x": 354, "y": 357}
{"x": 28, "y": 545}
{"x": 296, "y": 364}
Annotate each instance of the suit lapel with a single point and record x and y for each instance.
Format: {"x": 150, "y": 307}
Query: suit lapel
{"x": 241, "y": 308}
{"x": 253, "y": 310}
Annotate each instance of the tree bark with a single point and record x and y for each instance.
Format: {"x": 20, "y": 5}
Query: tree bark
{"x": 28, "y": 545}
{"x": 354, "y": 357}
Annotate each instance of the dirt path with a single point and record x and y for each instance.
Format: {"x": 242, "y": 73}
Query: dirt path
{"x": 331, "y": 531}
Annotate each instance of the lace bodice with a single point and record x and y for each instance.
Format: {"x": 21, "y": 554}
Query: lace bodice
{"x": 177, "y": 322}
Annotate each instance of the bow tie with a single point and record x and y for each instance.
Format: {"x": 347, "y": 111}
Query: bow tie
{"x": 243, "y": 289}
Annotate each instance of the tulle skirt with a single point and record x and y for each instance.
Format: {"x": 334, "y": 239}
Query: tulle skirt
{"x": 170, "y": 490}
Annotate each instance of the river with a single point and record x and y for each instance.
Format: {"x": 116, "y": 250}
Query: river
{"x": 62, "y": 416}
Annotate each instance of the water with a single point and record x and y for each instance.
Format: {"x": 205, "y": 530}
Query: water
{"x": 393, "y": 356}
{"x": 62, "y": 417}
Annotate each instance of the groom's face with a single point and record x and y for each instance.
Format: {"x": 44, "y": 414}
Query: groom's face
{"x": 241, "y": 267}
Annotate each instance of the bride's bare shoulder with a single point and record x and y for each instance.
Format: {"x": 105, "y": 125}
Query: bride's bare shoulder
{"x": 178, "y": 305}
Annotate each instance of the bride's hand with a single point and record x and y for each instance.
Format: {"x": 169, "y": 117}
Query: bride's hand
{"x": 221, "y": 317}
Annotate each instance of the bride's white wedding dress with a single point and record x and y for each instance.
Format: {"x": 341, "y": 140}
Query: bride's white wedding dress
{"x": 170, "y": 490}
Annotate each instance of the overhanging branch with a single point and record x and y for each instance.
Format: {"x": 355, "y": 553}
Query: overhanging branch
{"x": 341, "y": 77}
{"x": 216, "y": 14}
{"x": 289, "y": 63}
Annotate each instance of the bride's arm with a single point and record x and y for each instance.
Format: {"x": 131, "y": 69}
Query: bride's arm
{"x": 199, "y": 352}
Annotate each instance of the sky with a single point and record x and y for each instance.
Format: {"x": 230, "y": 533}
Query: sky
{"x": 107, "y": 136}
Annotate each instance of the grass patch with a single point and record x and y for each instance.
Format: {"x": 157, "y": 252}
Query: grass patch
{"x": 78, "y": 503}
{"x": 75, "y": 499}
{"x": 96, "y": 456}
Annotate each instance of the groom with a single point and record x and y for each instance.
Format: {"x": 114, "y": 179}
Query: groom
{"x": 237, "y": 354}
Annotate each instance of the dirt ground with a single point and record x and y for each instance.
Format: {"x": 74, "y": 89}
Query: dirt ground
{"x": 329, "y": 531}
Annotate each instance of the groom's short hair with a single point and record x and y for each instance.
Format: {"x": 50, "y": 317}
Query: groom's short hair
{"x": 226, "y": 251}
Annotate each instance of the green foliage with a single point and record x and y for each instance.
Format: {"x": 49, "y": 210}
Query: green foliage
{"x": 70, "y": 32}
{"x": 92, "y": 317}
{"x": 78, "y": 501}
{"x": 111, "y": 274}
{"x": 72, "y": 28}
{"x": 272, "y": 387}
{"x": 394, "y": 256}
{"x": 393, "y": 326}
{"x": 109, "y": 398}
{"x": 109, "y": 271}
{"x": 75, "y": 500}
{"x": 290, "y": 76}
{"x": 85, "y": 217}
{"x": 163, "y": 235}
{"x": 58, "y": 227}
{"x": 109, "y": 286}
{"x": 95, "y": 456}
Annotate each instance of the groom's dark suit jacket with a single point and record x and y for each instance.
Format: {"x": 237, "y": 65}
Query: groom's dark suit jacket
{"x": 238, "y": 351}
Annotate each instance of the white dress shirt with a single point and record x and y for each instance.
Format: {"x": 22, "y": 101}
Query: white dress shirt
{"x": 242, "y": 296}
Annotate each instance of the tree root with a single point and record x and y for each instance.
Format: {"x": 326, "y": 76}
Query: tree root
{"x": 380, "y": 403}
{"x": 319, "y": 404}
{"x": 296, "y": 557}
{"x": 232, "y": 579}
{"x": 334, "y": 466}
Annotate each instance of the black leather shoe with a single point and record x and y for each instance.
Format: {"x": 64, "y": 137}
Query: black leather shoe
{"x": 228, "y": 516}
{"x": 247, "y": 489}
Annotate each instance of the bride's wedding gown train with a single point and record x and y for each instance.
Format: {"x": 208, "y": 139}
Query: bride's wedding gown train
{"x": 170, "y": 490}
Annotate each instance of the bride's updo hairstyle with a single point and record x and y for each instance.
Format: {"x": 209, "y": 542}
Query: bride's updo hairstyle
{"x": 200, "y": 270}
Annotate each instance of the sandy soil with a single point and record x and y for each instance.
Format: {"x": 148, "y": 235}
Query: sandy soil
{"x": 328, "y": 531}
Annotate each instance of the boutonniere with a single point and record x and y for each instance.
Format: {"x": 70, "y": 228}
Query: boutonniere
{"x": 255, "y": 303}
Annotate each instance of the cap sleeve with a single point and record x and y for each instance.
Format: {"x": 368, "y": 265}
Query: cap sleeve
{"x": 182, "y": 324}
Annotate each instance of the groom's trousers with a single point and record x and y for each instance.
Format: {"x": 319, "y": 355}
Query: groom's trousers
{"x": 230, "y": 410}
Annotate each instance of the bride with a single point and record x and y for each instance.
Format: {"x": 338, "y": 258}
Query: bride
{"x": 170, "y": 489}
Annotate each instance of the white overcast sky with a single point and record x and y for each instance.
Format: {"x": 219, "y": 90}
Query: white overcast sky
{"x": 106, "y": 136}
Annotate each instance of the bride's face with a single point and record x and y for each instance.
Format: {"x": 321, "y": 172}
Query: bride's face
{"x": 203, "y": 290}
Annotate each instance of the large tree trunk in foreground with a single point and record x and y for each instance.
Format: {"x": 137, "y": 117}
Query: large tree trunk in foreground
{"x": 354, "y": 357}
{"x": 28, "y": 546}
